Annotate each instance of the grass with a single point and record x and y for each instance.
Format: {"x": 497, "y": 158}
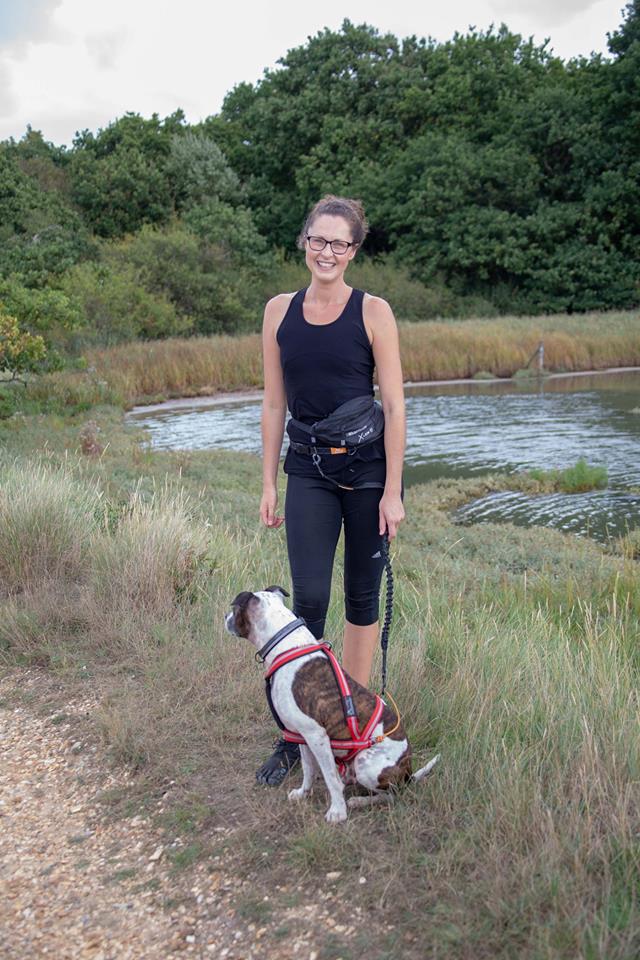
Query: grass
{"x": 577, "y": 479}
{"x": 435, "y": 350}
{"x": 514, "y": 653}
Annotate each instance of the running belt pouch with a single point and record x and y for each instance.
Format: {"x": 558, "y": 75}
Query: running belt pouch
{"x": 352, "y": 424}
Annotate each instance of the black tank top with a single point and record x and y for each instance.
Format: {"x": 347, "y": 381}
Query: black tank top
{"x": 324, "y": 365}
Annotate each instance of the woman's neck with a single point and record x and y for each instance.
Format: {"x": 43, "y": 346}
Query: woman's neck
{"x": 325, "y": 294}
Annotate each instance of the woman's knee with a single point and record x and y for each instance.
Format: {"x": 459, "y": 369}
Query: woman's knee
{"x": 361, "y": 603}
{"x": 311, "y": 602}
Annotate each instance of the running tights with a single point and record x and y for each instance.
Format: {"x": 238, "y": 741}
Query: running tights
{"x": 315, "y": 510}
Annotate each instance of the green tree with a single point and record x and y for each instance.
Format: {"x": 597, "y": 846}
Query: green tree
{"x": 20, "y": 352}
{"x": 121, "y": 176}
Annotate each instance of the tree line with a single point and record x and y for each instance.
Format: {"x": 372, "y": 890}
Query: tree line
{"x": 494, "y": 174}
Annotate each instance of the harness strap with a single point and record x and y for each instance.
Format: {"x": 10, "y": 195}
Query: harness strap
{"x": 359, "y": 740}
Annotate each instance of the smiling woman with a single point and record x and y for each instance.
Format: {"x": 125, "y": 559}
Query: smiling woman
{"x": 321, "y": 346}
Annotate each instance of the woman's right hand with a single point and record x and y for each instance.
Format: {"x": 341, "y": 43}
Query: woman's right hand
{"x": 268, "y": 505}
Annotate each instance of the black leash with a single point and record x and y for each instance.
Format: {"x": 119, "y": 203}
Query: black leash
{"x": 388, "y": 608}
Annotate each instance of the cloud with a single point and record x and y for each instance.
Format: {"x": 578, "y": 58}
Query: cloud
{"x": 26, "y": 21}
{"x": 74, "y": 64}
{"x": 543, "y": 14}
{"x": 8, "y": 99}
{"x": 104, "y": 48}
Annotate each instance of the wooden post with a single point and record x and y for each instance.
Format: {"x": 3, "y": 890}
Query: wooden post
{"x": 540, "y": 357}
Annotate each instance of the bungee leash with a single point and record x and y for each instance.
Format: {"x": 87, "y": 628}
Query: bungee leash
{"x": 388, "y": 608}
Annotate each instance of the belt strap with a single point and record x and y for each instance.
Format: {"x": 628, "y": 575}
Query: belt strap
{"x": 305, "y": 448}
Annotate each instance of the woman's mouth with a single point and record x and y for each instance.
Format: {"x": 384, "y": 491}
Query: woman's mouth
{"x": 325, "y": 264}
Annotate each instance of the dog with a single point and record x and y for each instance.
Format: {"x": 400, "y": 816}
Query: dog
{"x": 305, "y": 695}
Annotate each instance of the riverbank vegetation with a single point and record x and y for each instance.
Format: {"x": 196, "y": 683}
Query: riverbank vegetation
{"x": 514, "y": 653}
{"x": 199, "y": 366}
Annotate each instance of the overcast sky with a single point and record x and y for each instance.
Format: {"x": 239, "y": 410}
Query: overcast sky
{"x": 67, "y": 65}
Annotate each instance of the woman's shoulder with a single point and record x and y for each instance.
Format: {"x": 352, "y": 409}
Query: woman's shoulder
{"x": 279, "y": 302}
{"x": 373, "y": 304}
{"x": 276, "y": 310}
{"x": 376, "y": 314}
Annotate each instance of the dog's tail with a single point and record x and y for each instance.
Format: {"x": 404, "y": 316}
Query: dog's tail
{"x": 424, "y": 771}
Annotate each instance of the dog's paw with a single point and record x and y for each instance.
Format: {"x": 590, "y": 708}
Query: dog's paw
{"x": 336, "y": 814}
{"x": 298, "y": 794}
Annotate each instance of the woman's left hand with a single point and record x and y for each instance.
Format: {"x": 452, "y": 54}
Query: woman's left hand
{"x": 391, "y": 514}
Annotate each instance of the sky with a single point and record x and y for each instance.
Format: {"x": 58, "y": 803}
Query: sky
{"x": 70, "y": 65}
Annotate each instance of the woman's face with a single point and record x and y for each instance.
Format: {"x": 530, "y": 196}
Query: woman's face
{"x": 325, "y": 265}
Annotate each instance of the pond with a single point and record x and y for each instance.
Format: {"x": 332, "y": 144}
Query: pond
{"x": 468, "y": 428}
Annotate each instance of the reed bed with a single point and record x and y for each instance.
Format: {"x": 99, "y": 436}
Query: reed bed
{"x": 514, "y": 654}
{"x": 430, "y": 351}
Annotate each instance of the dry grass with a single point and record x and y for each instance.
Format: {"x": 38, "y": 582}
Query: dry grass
{"x": 514, "y": 653}
{"x": 135, "y": 372}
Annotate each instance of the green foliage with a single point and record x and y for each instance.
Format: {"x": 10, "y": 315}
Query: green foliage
{"x": 201, "y": 172}
{"x": 40, "y": 234}
{"x": 201, "y": 279}
{"x": 121, "y": 177}
{"x": 116, "y": 306}
{"x": 496, "y": 178}
{"x": 484, "y": 161}
{"x": 20, "y": 352}
{"x": 47, "y": 311}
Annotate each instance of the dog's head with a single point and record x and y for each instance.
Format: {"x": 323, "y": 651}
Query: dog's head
{"x": 257, "y": 616}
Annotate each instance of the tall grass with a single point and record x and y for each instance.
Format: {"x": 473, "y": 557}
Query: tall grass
{"x": 430, "y": 351}
{"x": 47, "y": 519}
{"x": 149, "y": 371}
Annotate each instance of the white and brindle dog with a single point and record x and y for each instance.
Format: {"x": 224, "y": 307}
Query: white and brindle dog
{"x": 306, "y": 698}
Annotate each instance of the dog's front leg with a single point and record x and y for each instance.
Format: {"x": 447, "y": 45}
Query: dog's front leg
{"x": 318, "y": 743}
{"x": 309, "y": 773}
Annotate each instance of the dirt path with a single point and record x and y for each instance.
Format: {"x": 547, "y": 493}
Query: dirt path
{"x": 75, "y": 883}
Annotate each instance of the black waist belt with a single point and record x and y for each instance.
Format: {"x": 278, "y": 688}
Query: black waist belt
{"x": 305, "y": 448}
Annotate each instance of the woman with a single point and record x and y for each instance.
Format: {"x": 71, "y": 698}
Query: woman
{"x": 320, "y": 346}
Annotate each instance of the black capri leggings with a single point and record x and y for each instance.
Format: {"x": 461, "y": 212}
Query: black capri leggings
{"x": 315, "y": 510}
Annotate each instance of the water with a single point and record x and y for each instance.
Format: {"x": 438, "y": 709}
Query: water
{"x": 463, "y": 430}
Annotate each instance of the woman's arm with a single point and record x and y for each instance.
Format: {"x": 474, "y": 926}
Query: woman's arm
{"x": 386, "y": 353}
{"x": 274, "y": 408}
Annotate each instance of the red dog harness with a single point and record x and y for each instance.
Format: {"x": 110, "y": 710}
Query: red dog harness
{"x": 360, "y": 740}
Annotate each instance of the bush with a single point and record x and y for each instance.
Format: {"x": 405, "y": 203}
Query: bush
{"x": 116, "y": 307}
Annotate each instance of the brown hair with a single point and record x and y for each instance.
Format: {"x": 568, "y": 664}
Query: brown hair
{"x": 350, "y": 210}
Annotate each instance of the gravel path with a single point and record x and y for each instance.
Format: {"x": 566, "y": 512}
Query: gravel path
{"x": 75, "y": 883}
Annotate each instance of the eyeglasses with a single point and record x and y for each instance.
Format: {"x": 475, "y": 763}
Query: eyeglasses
{"x": 337, "y": 246}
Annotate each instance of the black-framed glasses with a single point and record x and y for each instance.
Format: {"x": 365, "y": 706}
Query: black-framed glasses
{"x": 337, "y": 246}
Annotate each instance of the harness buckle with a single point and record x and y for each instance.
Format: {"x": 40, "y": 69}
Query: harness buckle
{"x": 315, "y": 456}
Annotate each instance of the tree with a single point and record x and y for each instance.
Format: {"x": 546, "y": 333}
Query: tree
{"x": 20, "y": 352}
{"x": 121, "y": 178}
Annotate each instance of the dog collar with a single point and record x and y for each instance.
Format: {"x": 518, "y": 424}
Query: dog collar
{"x": 263, "y": 652}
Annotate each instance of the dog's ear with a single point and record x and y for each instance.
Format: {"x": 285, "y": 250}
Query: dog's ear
{"x": 276, "y": 589}
{"x": 241, "y": 606}
{"x": 243, "y": 599}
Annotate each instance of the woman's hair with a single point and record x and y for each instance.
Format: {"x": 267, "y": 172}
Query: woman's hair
{"x": 350, "y": 210}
